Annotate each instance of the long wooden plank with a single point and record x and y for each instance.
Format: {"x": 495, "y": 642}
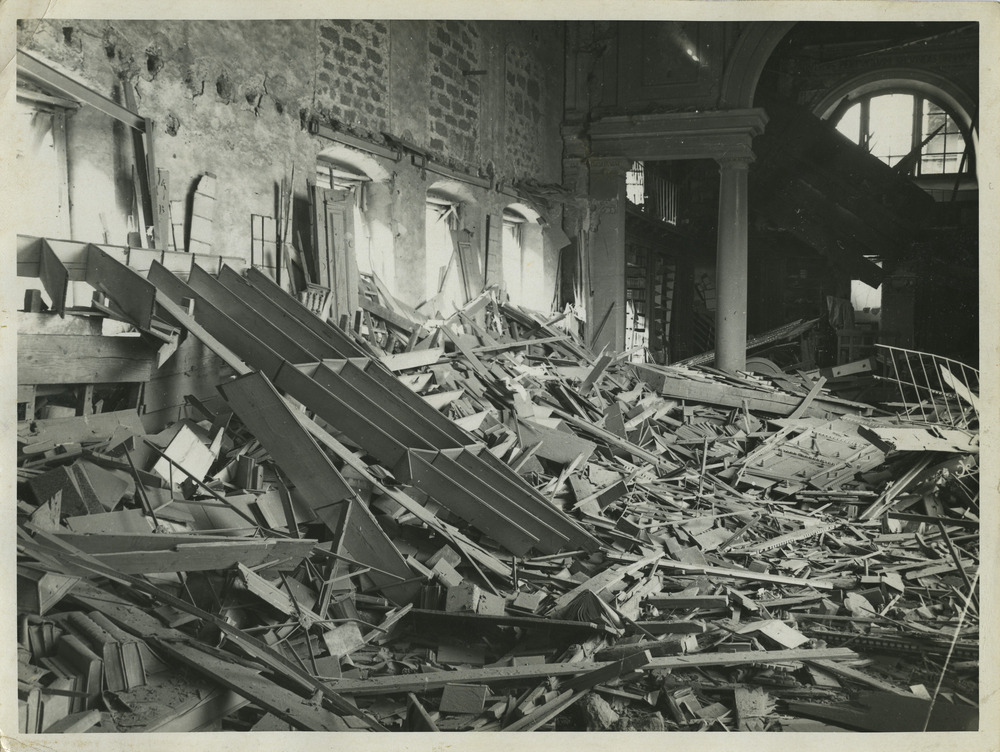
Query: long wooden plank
{"x": 730, "y": 395}
{"x": 108, "y": 543}
{"x": 70, "y": 359}
{"x": 498, "y": 675}
{"x": 191, "y": 555}
{"x": 33, "y": 68}
{"x": 270, "y": 420}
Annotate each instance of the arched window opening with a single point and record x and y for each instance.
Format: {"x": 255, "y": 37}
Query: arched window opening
{"x": 444, "y": 284}
{"x": 522, "y": 248}
{"x": 346, "y": 180}
{"x": 907, "y": 131}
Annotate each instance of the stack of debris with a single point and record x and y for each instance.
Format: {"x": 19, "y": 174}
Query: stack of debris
{"x": 475, "y": 523}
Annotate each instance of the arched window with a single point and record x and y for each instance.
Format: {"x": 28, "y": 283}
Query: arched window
{"x": 898, "y": 125}
{"x": 522, "y": 247}
{"x": 448, "y": 282}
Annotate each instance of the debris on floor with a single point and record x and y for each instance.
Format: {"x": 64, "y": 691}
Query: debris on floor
{"x": 473, "y": 523}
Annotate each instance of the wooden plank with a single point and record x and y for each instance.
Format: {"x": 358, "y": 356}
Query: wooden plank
{"x": 314, "y": 339}
{"x": 472, "y": 276}
{"x": 162, "y": 229}
{"x": 745, "y": 574}
{"x": 467, "y": 621}
{"x": 202, "y": 215}
{"x": 126, "y": 287}
{"x": 180, "y": 315}
{"x": 500, "y": 675}
{"x": 799, "y": 411}
{"x": 69, "y": 359}
{"x": 54, "y": 276}
{"x": 33, "y": 68}
{"x": 267, "y": 289}
{"x": 271, "y": 421}
{"x": 81, "y": 429}
{"x": 687, "y": 601}
{"x": 235, "y": 339}
{"x": 463, "y": 698}
{"x": 412, "y": 359}
{"x": 919, "y": 439}
{"x": 223, "y": 300}
{"x": 558, "y": 446}
{"x": 714, "y": 392}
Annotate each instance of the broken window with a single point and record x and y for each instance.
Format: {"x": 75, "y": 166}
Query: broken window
{"x": 524, "y": 259}
{"x": 894, "y": 125}
{"x": 444, "y": 283}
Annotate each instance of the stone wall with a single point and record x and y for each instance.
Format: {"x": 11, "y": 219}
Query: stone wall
{"x": 236, "y": 98}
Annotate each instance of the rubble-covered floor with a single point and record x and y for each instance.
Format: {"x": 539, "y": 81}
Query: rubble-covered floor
{"x": 476, "y": 524}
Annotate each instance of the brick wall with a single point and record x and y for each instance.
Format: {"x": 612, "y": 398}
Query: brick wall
{"x": 454, "y": 50}
{"x": 352, "y": 81}
{"x": 524, "y": 102}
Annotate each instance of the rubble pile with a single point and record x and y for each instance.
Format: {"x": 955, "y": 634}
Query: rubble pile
{"x": 474, "y": 523}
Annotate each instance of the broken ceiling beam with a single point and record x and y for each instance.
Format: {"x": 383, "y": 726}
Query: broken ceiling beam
{"x": 473, "y": 622}
{"x": 533, "y": 672}
{"x": 49, "y": 78}
{"x": 162, "y": 552}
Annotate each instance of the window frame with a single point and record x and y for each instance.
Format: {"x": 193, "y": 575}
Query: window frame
{"x": 967, "y": 165}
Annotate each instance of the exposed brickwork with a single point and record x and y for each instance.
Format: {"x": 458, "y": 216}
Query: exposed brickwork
{"x": 352, "y": 79}
{"x": 453, "y": 114}
{"x": 524, "y": 102}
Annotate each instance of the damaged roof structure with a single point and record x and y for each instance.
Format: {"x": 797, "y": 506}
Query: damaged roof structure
{"x": 546, "y": 408}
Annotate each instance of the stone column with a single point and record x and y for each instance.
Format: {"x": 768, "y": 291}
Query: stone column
{"x": 731, "y": 265}
{"x": 604, "y": 276}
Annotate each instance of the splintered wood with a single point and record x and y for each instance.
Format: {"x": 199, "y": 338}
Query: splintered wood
{"x": 476, "y": 524}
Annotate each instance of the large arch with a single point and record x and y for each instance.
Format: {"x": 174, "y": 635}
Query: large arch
{"x": 746, "y": 62}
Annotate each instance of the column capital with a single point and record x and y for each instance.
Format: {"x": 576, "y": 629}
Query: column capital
{"x": 739, "y": 161}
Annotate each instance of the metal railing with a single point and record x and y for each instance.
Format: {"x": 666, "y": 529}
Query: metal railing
{"x": 932, "y": 388}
